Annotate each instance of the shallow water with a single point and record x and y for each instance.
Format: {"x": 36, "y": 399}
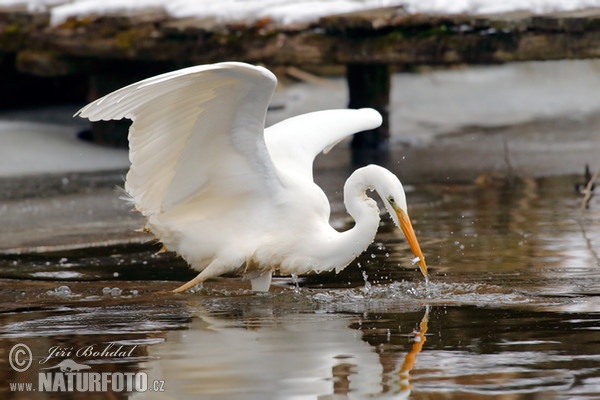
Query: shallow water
{"x": 512, "y": 310}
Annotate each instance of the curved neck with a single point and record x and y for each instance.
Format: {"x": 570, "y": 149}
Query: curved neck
{"x": 335, "y": 250}
{"x": 362, "y": 209}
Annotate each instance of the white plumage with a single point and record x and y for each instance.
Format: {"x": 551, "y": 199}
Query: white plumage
{"x": 231, "y": 196}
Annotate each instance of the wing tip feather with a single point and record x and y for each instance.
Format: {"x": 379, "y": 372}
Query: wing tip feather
{"x": 372, "y": 116}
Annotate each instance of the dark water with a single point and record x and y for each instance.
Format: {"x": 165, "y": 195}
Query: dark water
{"x": 512, "y": 311}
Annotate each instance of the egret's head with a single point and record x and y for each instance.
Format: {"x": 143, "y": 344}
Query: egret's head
{"x": 392, "y": 193}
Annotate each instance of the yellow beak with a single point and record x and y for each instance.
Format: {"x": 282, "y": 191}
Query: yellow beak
{"x": 409, "y": 232}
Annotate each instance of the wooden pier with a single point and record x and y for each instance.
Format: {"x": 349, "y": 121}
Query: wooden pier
{"x": 90, "y": 56}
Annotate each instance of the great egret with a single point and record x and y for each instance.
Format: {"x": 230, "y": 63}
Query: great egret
{"x": 230, "y": 196}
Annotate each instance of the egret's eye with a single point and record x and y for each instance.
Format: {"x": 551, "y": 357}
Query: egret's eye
{"x": 391, "y": 200}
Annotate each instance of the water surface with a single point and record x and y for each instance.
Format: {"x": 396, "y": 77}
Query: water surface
{"x": 512, "y": 309}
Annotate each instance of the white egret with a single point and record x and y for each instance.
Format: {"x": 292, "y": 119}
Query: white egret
{"x": 229, "y": 195}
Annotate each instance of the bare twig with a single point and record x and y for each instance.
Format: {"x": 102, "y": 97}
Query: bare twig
{"x": 588, "y": 191}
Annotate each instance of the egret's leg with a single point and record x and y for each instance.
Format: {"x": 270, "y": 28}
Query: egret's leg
{"x": 262, "y": 282}
{"x": 215, "y": 268}
{"x": 198, "y": 279}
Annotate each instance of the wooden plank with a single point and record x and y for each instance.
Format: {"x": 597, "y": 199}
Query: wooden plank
{"x": 383, "y": 36}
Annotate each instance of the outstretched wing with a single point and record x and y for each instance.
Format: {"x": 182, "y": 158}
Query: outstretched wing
{"x": 198, "y": 129}
{"x": 295, "y": 142}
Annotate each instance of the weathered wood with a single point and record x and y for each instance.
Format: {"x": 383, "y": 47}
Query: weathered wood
{"x": 368, "y": 42}
{"x": 45, "y": 64}
{"x": 18, "y": 89}
{"x": 385, "y": 36}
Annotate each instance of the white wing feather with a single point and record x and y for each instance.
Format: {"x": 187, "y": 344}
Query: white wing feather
{"x": 295, "y": 142}
{"x": 194, "y": 130}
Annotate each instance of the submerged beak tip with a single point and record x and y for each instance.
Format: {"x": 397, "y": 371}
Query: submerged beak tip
{"x": 409, "y": 232}
{"x": 423, "y": 266}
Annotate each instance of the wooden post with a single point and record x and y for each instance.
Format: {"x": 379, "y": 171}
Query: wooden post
{"x": 110, "y": 76}
{"x": 369, "y": 86}
{"x": 110, "y": 133}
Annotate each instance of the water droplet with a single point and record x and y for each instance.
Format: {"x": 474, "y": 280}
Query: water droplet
{"x": 134, "y": 292}
{"x": 106, "y": 290}
{"x": 414, "y": 260}
{"x": 116, "y": 291}
{"x": 116, "y": 274}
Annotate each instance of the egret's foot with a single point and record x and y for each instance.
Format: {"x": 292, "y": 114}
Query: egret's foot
{"x": 198, "y": 279}
{"x": 262, "y": 282}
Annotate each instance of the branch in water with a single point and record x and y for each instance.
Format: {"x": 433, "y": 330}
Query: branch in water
{"x": 589, "y": 191}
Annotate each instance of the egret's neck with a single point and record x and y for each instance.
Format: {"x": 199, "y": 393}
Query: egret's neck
{"x": 361, "y": 208}
{"x": 335, "y": 250}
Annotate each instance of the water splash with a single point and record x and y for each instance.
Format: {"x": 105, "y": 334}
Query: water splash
{"x": 367, "y": 287}
{"x": 61, "y": 291}
{"x": 400, "y": 295}
{"x": 296, "y": 283}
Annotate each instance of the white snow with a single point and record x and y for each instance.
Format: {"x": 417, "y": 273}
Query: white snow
{"x": 286, "y": 11}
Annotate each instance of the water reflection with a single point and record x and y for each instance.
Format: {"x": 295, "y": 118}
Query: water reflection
{"x": 277, "y": 353}
{"x": 411, "y": 357}
{"x": 321, "y": 344}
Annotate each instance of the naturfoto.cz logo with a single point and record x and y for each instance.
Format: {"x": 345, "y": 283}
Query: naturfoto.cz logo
{"x": 71, "y": 376}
